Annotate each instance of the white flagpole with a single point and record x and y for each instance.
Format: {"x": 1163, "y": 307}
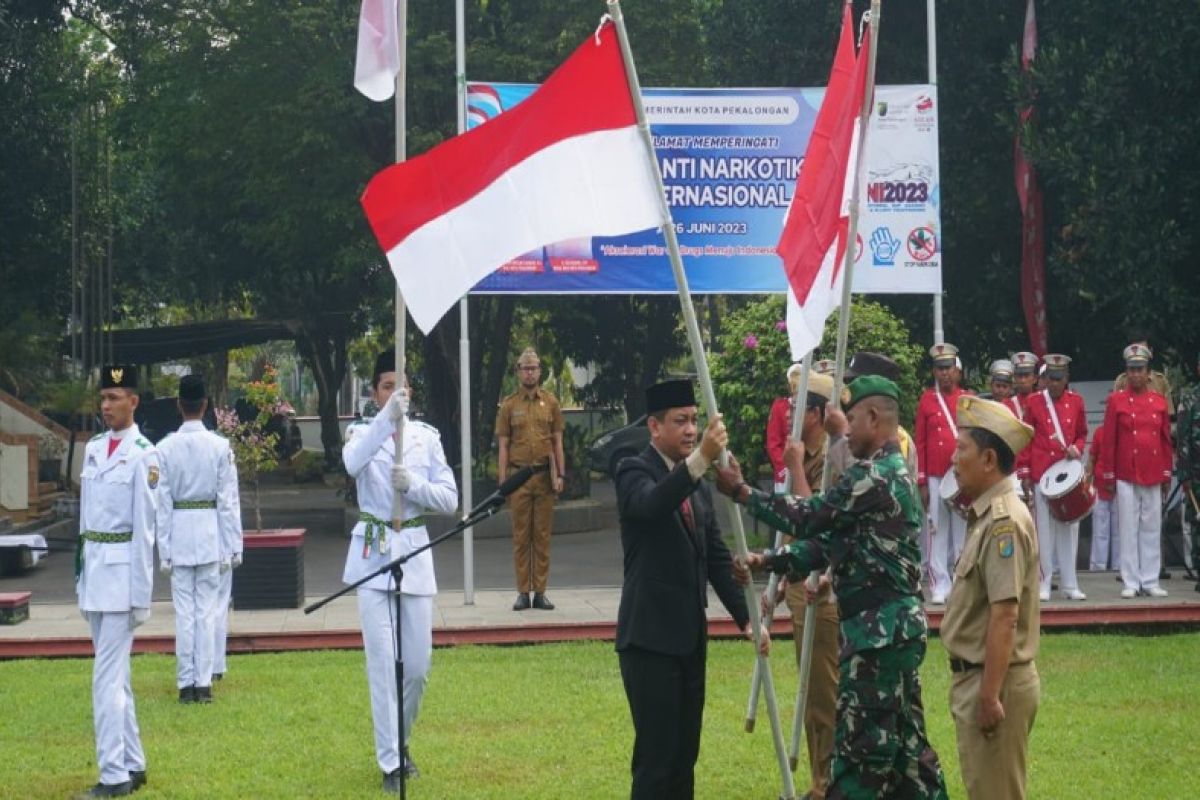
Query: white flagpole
{"x": 810, "y": 613}
{"x": 799, "y": 402}
{"x": 401, "y": 312}
{"x": 464, "y": 329}
{"x": 706, "y": 386}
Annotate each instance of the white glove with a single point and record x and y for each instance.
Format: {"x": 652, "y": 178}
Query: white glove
{"x": 224, "y": 566}
{"x": 401, "y": 480}
{"x": 236, "y": 561}
{"x": 397, "y": 405}
{"x": 164, "y": 566}
{"x": 138, "y": 617}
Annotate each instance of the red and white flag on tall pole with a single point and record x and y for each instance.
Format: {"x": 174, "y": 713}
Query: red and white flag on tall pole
{"x": 1033, "y": 244}
{"x": 567, "y": 162}
{"x": 377, "y": 62}
{"x": 813, "y": 244}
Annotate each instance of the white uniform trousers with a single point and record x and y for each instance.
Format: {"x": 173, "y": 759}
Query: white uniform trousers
{"x": 194, "y": 592}
{"x": 1105, "y": 547}
{"x": 376, "y": 609}
{"x": 946, "y": 540}
{"x": 221, "y": 625}
{"x": 1139, "y": 522}
{"x": 118, "y": 740}
{"x": 1058, "y": 543}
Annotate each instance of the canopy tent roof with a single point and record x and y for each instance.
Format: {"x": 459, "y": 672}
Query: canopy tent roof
{"x": 172, "y": 342}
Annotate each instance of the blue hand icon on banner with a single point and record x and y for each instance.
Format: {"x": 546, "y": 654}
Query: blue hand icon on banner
{"x": 884, "y": 247}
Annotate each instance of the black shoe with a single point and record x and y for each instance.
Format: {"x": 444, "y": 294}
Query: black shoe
{"x": 410, "y": 766}
{"x": 391, "y": 781}
{"x": 187, "y": 694}
{"x": 203, "y": 694}
{"x": 522, "y": 602}
{"x": 1198, "y": 586}
{"x": 540, "y": 601}
{"x": 108, "y": 790}
{"x": 218, "y": 675}
{"x": 137, "y": 779}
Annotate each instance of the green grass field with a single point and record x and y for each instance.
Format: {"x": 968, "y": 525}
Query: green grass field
{"x": 1119, "y": 718}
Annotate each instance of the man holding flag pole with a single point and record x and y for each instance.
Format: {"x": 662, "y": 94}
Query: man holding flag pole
{"x": 854, "y": 526}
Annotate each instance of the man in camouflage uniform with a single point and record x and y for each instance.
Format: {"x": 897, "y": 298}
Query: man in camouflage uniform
{"x": 865, "y": 528}
{"x": 1187, "y": 462}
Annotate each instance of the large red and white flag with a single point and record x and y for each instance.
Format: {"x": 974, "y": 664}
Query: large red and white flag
{"x": 813, "y": 242}
{"x": 567, "y": 162}
{"x": 1029, "y": 193}
{"x": 377, "y": 62}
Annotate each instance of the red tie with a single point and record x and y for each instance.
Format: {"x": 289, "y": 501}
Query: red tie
{"x": 688, "y": 519}
{"x": 113, "y": 444}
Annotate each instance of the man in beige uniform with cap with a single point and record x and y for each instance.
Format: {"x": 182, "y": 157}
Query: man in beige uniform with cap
{"x": 805, "y": 461}
{"x": 529, "y": 429}
{"x": 991, "y": 626}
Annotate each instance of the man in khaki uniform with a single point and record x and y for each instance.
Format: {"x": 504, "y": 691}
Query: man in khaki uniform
{"x": 529, "y": 426}
{"x": 991, "y": 627}
{"x": 805, "y": 462}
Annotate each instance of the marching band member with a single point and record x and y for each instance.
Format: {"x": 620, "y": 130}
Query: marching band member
{"x": 1136, "y": 458}
{"x": 1059, "y": 422}
{"x": 936, "y": 435}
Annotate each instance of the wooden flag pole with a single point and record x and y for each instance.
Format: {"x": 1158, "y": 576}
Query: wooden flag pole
{"x": 705, "y": 379}
{"x": 799, "y": 402}
{"x": 839, "y": 370}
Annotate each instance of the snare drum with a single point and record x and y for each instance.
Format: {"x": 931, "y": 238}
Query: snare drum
{"x": 1068, "y": 495}
{"x": 952, "y": 496}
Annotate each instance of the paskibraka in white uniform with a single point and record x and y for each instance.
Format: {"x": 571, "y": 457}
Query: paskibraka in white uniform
{"x": 199, "y": 539}
{"x": 114, "y": 578}
{"x": 369, "y": 454}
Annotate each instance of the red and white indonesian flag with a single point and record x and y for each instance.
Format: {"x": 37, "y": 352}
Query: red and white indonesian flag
{"x": 568, "y": 162}
{"x": 813, "y": 242}
{"x": 378, "y": 59}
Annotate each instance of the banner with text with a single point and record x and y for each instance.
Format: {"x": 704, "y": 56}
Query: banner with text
{"x": 729, "y": 159}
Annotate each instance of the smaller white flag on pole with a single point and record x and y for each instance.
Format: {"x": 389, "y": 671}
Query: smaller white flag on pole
{"x": 378, "y": 61}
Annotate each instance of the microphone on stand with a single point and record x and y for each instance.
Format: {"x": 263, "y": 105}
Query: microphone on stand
{"x": 514, "y": 482}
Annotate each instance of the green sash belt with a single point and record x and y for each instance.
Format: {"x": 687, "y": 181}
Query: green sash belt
{"x": 194, "y": 505}
{"x": 100, "y": 537}
{"x": 376, "y": 530}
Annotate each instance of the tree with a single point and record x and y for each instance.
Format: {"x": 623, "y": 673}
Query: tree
{"x": 751, "y": 370}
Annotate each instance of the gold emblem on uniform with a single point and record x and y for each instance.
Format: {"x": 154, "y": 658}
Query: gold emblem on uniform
{"x": 117, "y": 374}
{"x": 152, "y": 477}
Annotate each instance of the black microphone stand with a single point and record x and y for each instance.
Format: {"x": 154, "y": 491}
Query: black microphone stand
{"x": 396, "y": 567}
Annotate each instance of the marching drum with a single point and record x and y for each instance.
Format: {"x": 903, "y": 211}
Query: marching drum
{"x": 952, "y": 496}
{"x": 1069, "y": 496}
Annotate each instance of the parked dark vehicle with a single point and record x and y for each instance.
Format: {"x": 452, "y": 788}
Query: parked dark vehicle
{"x": 283, "y": 426}
{"x": 629, "y": 440}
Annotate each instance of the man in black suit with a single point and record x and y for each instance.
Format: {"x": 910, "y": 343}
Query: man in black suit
{"x": 673, "y": 548}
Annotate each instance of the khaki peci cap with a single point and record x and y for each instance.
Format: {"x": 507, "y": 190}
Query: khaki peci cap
{"x": 528, "y": 357}
{"x": 975, "y": 412}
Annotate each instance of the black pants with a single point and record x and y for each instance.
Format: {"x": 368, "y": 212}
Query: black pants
{"x": 666, "y": 700}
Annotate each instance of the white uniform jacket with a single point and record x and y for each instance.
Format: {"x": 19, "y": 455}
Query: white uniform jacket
{"x": 119, "y": 497}
{"x": 368, "y": 454}
{"x": 198, "y": 469}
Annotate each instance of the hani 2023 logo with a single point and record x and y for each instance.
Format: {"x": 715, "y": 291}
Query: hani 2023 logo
{"x": 899, "y": 187}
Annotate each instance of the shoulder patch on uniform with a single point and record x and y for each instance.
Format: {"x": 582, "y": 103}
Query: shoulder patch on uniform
{"x": 152, "y": 476}
{"x": 96, "y": 438}
{"x": 142, "y": 443}
{"x": 1004, "y": 545}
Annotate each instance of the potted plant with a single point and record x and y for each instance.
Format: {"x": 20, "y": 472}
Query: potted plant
{"x": 272, "y": 571}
